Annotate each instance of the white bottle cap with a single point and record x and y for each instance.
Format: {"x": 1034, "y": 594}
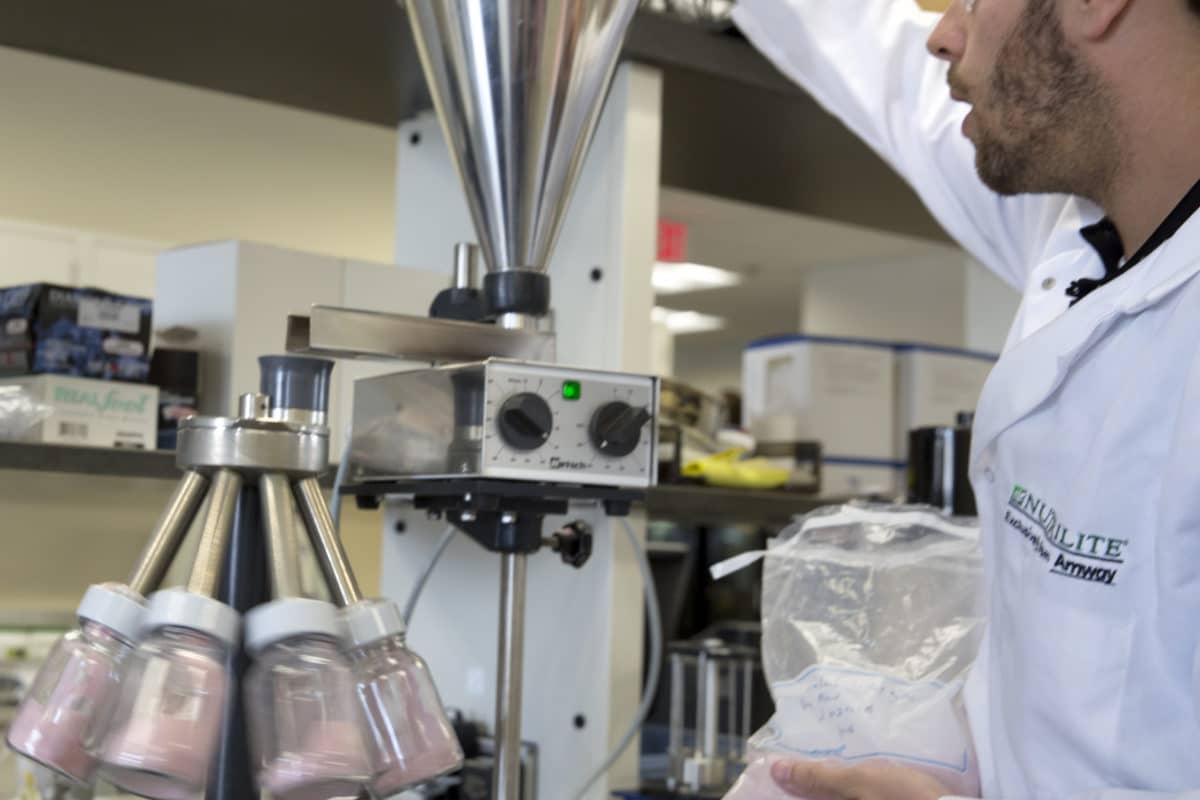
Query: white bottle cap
{"x": 293, "y": 616}
{"x": 371, "y": 620}
{"x": 181, "y": 608}
{"x": 116, "y": 607}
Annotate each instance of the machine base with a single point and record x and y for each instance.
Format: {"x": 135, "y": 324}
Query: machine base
{"x": 501, "y": 516}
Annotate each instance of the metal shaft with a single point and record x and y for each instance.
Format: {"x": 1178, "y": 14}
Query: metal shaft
{"x": 169, "y": 533}
{"x": 675, "y": 746}
{"x": 701, "y": 702}
{"x": 506, "y": 777}
{"x": 731, "y": 706}
{"x": 712, "y": 708}
{"x": 281, "y": 527}
{"x": 466, "y": 266}
{"x": 747, "y": 701}
{"x": 215, "y": 526}
{"x": 326, "y": 543}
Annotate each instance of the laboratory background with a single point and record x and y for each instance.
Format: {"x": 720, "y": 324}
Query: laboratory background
{"x": 367, "y": 439}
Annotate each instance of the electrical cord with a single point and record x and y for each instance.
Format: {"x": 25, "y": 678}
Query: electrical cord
{"x": 654, "y": 620}
{"x": 335, "y": 511}
{"x": 410, "y": 605}
{"x": 335, "y": 500}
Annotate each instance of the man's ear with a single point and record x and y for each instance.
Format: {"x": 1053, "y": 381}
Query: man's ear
{"x": 1092, "y": 20}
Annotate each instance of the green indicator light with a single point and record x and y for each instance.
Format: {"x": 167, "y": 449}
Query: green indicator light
{"x": 571, "y": 390}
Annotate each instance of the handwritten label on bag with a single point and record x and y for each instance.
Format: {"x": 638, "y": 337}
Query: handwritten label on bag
{"x": 851, "y": 714}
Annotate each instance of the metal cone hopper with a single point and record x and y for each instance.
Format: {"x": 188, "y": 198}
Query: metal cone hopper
{"x": 518, "y": 86}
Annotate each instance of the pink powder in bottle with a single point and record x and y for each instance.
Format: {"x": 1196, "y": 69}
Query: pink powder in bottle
{"x": 71, "y": 701}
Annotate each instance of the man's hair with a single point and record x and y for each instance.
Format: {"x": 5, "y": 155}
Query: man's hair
{"x": 1195, "y": 6}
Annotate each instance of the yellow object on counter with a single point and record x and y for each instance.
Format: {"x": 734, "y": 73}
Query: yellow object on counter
{"x": 730, "y": 470}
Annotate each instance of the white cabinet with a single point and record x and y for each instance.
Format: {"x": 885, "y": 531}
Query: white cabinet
{"x": 31, "y": 253}
{"x": 120, "y": 265}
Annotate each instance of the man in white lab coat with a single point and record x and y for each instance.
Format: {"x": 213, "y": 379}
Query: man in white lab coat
{"x": 1059, "y": 142}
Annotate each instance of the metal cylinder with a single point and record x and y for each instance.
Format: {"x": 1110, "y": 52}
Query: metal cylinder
{"x": 253, "y": 405}
{"x": 701, "y": 705}
{"x": 466, "y": 266}
{"x": 711, "y": 681}
{"x": 215, "y": 526}
{"x": 169, "y": 533}
{"x": 298, "y": 387}
{"x": 517, "y": 322}
{"x": 747, "y": 699}
{"x": 678, "y": 677}
{"x": 731, "y": 706}
{"x": 506, "y": 777}
{"x": 335, "y": 565}
{"x": 281, "y": 527}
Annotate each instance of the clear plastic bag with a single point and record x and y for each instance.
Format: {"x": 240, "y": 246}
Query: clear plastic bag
{"x": 19, "y": 412}
{"x": 871, "y": 617}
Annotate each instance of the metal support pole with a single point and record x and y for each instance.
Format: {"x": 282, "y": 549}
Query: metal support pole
{"x": 676, "y": 745}
{"x": 701, "y": 703}
{"x": 335, "y": 565}
{"x": 169, "y": 533}
{"x": 243, "y": 586}
{"x": 712, "y": 708}
{"x": 281, "y": 527}
{"x": 506, "y": 776}
{"x": 747, "y": 701}
{"x": 214, "y": 533}
{"x": 731, "y": 708}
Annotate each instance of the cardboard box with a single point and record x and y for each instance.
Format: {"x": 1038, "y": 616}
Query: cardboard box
{"x": 61, "y": 330}
{"x": 92, "y": 412}
{"x": 934, "y": 385}
{"x": 835, "y": 391}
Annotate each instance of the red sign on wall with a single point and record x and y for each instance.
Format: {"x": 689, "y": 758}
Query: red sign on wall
{"x": 672, "y": 241}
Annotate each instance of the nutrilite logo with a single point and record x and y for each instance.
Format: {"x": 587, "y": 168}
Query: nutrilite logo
{"x": 103, "y": 402}
{"x": 1040, "y": 523}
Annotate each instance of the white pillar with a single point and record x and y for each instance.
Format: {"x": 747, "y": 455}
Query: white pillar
{"x": 584, "y": 628}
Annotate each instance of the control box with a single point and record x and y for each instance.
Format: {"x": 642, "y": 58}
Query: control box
{"x": 512, "y": 420}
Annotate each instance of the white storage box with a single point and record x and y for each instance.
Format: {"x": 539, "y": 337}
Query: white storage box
{"x": 92, "y": 412}
{"x": 835, "y": 391}
{"x": 849, "y": 477}
{"x": 237, "y": 296}
{"x": 933, "y": 385}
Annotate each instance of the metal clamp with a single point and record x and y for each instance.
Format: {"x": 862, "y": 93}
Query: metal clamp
{"x": 252, "y": 445}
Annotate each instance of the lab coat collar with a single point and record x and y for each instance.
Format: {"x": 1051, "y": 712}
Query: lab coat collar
{"x": 1031, "y": 370}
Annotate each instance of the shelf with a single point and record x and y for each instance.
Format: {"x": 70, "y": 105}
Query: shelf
{"x": 102, "y": 462}
{"x": 733, "y": 126}
{"x": 98, "y": 461}
{"x": 353, "y": 59}
{"x": 680, "y": 503}
{"x": 707, "y": 505}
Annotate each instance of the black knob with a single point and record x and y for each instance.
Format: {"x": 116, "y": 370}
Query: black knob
{"x": 616, "y": 428}
{"x": 525, "y": 421}
{"x": 573, "y": 543}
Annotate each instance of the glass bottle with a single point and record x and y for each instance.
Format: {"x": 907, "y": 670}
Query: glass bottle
{"x": 166, "y": 725}
{"x": 410, "y": 737}
{"x": 305, "y": 722}
{"x": 72, "y": 699}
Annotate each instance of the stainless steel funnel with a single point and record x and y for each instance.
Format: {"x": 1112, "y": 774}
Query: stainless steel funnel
{"x": 518, "y": 86}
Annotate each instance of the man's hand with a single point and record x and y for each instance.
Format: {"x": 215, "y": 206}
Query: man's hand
{"x": 878, "y": 780}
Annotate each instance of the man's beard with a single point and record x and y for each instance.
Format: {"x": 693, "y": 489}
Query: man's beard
{"x": 1048, "y": 124}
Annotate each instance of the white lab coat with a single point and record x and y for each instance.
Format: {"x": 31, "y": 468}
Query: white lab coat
{"x": 1086, "y": 456}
